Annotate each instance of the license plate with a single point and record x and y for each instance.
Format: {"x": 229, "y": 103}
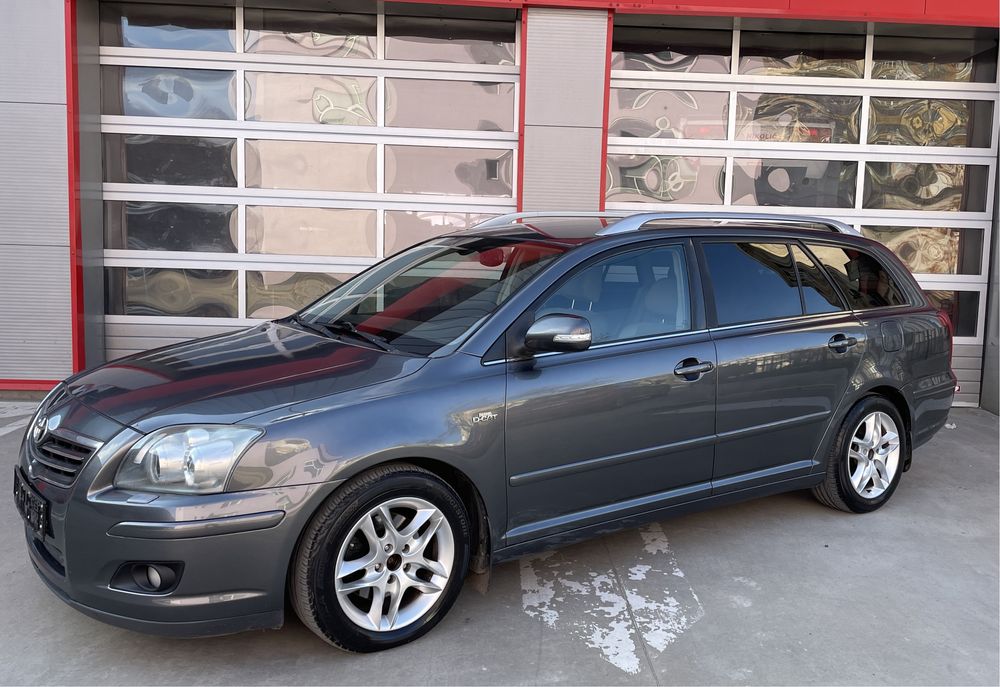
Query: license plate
{"x": 31, "y": 505}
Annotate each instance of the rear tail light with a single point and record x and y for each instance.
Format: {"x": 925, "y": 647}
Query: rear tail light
{"x": 949, "y": 325}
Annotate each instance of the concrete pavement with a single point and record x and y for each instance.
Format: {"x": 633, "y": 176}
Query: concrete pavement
{"x": 775, "y": 591}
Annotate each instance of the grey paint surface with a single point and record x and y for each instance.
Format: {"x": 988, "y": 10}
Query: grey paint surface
{"x": 564, "y": 108}
{"x": 91, "y": 177}
{"x": 316, "y": 399}
{"x": 34, "y": 237}
{"x": 775, "y": 578}
{"x": 990, "y": 398}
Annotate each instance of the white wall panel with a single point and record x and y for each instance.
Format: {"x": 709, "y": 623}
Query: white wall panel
{"x": 32, "y": 51}
{"x": 564, "y": 109}
{"x": 561, "y": 173}
{"x": 564, "y": 78}
{"x": 35, "y": 312}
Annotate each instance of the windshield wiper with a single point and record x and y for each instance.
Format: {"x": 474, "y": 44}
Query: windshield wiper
{"x": 311, "y": 326}
{"x": 348, "y": 327}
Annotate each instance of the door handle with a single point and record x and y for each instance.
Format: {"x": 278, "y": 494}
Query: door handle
{"x": 692, "y": 368}
{"x": 841, "y": 342}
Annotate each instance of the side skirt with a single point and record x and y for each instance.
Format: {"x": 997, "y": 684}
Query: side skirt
{"x": 573, "y": 536}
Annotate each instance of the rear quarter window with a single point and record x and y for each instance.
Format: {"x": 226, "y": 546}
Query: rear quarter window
{"x": 862, "y": 278}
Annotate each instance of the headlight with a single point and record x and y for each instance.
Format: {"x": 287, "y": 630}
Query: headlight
{"x": 185, "y": 459}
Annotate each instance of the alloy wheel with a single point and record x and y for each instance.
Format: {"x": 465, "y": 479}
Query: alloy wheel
{"x": 873, "y": 455}
{"x": 394, "y": 564}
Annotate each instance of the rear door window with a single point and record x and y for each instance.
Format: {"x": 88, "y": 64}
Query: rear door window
{"x": 818, "y": 294}
{"x": 752, "y": 282}
{"x": 862, "y": 278}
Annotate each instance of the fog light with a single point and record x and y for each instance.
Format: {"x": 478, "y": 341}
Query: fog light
{"x": 149, "y": 578}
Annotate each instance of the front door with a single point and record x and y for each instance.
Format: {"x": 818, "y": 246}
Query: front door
{"x": 786, "y": 357}
{"x": 626, "y": 426}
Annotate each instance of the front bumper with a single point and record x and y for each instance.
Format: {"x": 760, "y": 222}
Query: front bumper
{"x": 234, "y": 550}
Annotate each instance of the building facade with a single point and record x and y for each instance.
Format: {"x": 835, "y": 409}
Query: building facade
{"x": 177, "y": 170}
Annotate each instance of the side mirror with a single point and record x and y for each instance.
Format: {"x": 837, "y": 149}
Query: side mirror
{"x": 559, "y": 333}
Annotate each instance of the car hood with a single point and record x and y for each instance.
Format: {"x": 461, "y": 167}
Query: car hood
{"x": 231, "y": 377}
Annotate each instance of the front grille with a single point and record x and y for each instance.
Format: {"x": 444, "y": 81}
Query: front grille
{"x": 60, "y": 456}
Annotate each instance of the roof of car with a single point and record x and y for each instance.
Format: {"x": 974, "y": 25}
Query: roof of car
{"x": 574, "y": 228}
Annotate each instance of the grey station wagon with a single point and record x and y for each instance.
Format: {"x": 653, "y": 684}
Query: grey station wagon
{"x": 535, "y": 380}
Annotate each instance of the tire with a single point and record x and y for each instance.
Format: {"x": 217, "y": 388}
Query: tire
{"x": 843, "y": 469}
{"x": 340, "y": 538}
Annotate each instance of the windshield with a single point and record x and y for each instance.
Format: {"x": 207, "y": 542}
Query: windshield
{"x": 430, "y": 295}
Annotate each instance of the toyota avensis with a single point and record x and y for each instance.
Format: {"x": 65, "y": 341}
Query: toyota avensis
{"x": 532, "y": 381}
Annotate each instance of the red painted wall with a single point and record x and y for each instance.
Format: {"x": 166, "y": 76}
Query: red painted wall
{"x": 956, "y": 12}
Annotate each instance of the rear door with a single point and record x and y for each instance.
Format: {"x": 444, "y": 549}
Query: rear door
{"x": 786, "y": 355}
{"x": 620, "y": 428}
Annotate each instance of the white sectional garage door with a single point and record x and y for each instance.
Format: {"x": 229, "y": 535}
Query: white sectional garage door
{"x": 254, "y": 158}
{"x": 890, "y": 129}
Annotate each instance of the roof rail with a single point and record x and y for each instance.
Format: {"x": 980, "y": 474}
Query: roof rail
{"x": 627, "y": 220}
{"x": 514, "y": 217}
{"x": 638, "y": 221}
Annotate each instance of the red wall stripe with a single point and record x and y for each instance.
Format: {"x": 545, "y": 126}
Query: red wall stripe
{"x": 73, "y": 157}
{"x": 949, "y": 12}
{"x": 27, "y": 384}
{"x": 607, "y": 106}
{"x": 520, "y": 109}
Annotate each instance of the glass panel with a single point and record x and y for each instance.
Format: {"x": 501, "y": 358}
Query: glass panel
{"x": 930, "y": 122}
{"x": 926, "y": 186}
{"x": 925, "y": 58}
{"x": 168, "y": 92}
{"x": 430, "y": 295}
{"x": 752, "y": 282}
{"x": 665, "y": 178}
{"x": 162, "y": 291}
{"x": 273, "y": 31}
{"x": 310, "y": 231}
{"x": 795, "y": 183}
{"x": 671, "y": 50}
{"x": 271, "y": 295}
{"x": 448, "y": 171}
{"x": 310, "y": 165}
{"x": 962, "y": 307}
{"x": 171, "y": 27}
{"x": 136, "y": 225}
{"x": 310, "y": 98}
{"x": 646, "y": 113}
{"x": 865, "y": 282}
{"x": 802, "y": 54}
{"x": 933, "y": 250}
{"x": 403, "y": 228}
{"x": 628, "y": 296}
{"x": 439, "y": 39}
{"x": 183, "y": 160}
{"x": 817, "y": 291}
{"x": 797, "y": 118}
{"x": 434, "y": 104}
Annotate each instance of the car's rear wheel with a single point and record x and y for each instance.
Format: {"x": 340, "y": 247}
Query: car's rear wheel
{"x": 383, "y": 560}
{"x": 866, "y": 459}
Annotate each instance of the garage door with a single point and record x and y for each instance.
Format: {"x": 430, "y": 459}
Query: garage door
{"x": 882, "y": 127}
{"x": 255, "y": 158}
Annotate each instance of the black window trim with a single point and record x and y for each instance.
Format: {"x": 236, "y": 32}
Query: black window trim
{"x": 845, "y": 305}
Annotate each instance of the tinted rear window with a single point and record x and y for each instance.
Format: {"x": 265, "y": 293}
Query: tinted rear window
{"x": 752, "y": 282}
{"x": 861, "y": 277}
{"x": 817, "y": 291}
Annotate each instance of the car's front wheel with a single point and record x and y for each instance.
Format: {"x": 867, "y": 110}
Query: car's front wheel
{"x": 866, "y": 460}
{"x": 383, "y": 560}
